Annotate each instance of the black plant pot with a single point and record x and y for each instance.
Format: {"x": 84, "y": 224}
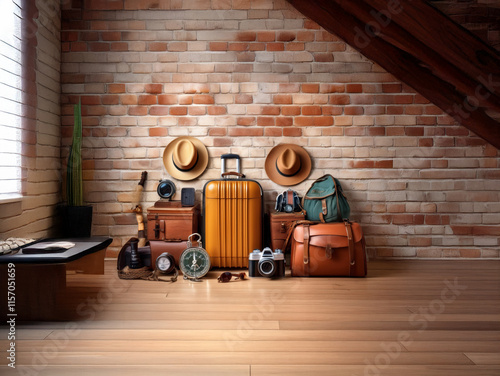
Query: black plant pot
{"x": 76, "y": 221}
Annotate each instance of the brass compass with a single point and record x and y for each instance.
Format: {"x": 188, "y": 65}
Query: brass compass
{"x": 194, "y": 261}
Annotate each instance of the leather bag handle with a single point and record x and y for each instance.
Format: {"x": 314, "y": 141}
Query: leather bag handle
{"x": 232, "y": 173}
{"x": 223, "y": 159}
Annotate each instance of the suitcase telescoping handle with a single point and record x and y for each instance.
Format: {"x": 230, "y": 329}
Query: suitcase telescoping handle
{"x": 223, "y": 159}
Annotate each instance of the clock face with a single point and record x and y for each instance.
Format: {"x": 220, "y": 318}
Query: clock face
{"x": 165, "y": 263}
{"x": 194, "y": 262}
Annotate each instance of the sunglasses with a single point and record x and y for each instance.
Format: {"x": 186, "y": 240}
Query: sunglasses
{"x": 226, "y": 277}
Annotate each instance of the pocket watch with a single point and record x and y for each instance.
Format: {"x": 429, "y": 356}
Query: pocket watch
{"x": 165, "y": 263}
{"x": 194, "y": 261}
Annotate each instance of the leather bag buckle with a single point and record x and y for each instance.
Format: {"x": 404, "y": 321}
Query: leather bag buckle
{"x": 329, "y": 252}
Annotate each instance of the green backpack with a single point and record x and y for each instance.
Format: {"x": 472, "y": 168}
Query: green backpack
{"x": 325, "y": 201}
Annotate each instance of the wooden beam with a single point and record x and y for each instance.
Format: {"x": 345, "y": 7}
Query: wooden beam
{"x": 447, "y": 38}
{"x": 450, "y": 71}
{"x": 395, "y": 55}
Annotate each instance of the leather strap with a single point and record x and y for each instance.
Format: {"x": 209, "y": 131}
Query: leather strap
{"x": 157, "y": 227}
{"x": 283, "y": 228}
{"x": 291, "y": 228}
{"x": 156, "y": 276}
{"x": 328, "y": 252}
{"x": 350, "y": 238}
{"x": 162, "y": 229}
{"x": 289, "y": 235}
{"x": 306, "y": 250}
{"x": 324, "y": 211}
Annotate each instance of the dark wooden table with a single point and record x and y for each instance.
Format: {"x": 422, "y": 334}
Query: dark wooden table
{"x": 35, "y": 279}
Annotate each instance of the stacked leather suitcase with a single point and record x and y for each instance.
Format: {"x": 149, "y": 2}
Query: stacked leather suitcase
{"x": 169, "y": 225}
{"x": 170, "y": 221}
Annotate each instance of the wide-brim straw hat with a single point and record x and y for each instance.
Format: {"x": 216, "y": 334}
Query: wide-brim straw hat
{"x": 288, "y": 164}
{"x": 185, "y": 158}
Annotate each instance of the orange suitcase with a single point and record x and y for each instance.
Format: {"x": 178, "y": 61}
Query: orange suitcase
{"x": 232, "y": 214}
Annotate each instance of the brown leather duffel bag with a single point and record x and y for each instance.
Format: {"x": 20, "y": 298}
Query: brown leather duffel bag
{"x": 328, "y": 250}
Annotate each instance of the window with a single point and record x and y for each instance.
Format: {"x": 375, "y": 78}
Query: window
{"x": 11, "y": 104}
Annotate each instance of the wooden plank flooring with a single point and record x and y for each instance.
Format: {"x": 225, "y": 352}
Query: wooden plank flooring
{"x": 406, "y": 318}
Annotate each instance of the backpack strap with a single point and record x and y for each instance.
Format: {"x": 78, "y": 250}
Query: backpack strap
{"x": 324, "y": 211}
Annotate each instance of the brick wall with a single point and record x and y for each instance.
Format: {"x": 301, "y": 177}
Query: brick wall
{"x": 33, "y": 216}
{"x": 244, "y": 76}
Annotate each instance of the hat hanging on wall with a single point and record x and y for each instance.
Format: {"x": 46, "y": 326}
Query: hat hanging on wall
{"x": 288, "y": 164}
{"x": 185, "y": 158}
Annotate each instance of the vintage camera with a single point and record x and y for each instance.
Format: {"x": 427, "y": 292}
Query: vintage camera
{"x": 288, "y": 202}
{"x": 266, "y": 263}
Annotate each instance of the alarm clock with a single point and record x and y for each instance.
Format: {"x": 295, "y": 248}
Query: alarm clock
{"x": 165, "y": 263}
{"x": 194, "y": 261}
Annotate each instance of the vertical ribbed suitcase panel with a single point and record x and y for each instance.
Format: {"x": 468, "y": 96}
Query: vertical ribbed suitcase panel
{"x": 233, "y": 221}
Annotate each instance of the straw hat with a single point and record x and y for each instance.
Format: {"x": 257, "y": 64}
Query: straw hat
{"x": 288, "y": 164}
{"x": 185, "y": 158}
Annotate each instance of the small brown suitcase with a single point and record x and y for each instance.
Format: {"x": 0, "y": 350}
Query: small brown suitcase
{"x": 281, "y": 224}
{"x": 170, "y": 221}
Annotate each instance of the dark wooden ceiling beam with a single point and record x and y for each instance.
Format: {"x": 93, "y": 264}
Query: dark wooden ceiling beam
{"x": 447, "y": 38}
{"x": 393, "y": 33}
{"x": 396, "y": 55}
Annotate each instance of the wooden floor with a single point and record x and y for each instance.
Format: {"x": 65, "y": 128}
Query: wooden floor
{"x": 406, "y": 318}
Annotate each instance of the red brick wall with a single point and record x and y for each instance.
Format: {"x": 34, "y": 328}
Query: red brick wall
{"x": 244, "y": 76}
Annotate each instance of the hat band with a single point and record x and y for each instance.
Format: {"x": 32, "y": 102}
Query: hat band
{"x": 185, "y": 169}
{"x": 287, "y": 175}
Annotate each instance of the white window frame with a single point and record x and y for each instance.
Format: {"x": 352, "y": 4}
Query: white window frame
{"x": 11, "y": 101}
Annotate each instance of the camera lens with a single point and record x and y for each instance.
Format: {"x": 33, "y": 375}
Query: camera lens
{"x": 266, "y": 268}
{"x": 166, "y": 189}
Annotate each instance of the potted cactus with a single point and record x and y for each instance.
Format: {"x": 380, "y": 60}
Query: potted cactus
{"x": 77, "y": 217}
